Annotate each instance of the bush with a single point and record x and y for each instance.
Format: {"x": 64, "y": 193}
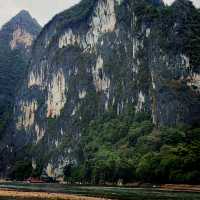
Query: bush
{"x": 21, "y": 170}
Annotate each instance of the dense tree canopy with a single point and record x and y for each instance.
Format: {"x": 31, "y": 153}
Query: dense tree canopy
{"x": 120, "y": 149}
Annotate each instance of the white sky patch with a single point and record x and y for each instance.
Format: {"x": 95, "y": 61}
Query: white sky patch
{"x": 42, "y": 10}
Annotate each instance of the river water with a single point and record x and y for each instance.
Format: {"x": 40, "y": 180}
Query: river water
{"x": 120, "y": 193}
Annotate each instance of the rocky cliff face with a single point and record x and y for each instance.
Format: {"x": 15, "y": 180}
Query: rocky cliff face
{"x": 20, "y": 32}
{"x": 99, "y": 57}
{"x": 16, "y": 38}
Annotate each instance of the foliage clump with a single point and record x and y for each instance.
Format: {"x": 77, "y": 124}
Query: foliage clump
{"x": 121, "y": 149}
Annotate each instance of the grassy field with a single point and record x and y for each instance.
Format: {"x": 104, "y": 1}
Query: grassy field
{"x": 120, "y": 193}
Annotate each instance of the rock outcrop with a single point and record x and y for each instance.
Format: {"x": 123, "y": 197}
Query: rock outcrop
{"x": 16, "y": 39}
{"x": 102, "y": 56}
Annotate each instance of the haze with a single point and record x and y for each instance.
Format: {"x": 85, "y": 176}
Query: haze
{"x": 42, "y": 10}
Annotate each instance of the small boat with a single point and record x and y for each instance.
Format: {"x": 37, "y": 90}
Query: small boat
{"x": 34, "y": 180}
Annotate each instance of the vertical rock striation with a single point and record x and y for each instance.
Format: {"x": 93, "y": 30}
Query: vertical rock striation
{"x": 16, "y": 39}
{"x": 102, "y": 56}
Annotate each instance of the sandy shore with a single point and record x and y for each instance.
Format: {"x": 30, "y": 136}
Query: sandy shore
{"x": 43, "y": 195}
{"x": 180, "y": 187}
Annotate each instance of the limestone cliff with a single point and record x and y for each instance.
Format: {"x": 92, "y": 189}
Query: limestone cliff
{"x": 16, "y": 38}
{"x": 105, "y": 56}
{"x": 20, "y": 32}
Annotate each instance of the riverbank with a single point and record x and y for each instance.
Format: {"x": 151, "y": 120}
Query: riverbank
{"x": 24, "y": 191}
{"x": 165, "y": 187}
{"x": 176, "y": 187}
{"x": 43, "y": 195}
{"x": 180, "y": 187}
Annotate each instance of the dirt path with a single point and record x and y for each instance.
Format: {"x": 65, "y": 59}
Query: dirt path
{"x": 43, "y": 195}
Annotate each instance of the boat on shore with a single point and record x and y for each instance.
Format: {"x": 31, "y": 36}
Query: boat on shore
{"x": 34, "y": 180}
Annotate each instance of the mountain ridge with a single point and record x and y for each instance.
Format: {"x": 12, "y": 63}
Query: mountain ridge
{"x": 16, "y": 38}
{"x": 119, "y": 57}
{"x": 20, "y": 31}
{"x": 111, "y": 93}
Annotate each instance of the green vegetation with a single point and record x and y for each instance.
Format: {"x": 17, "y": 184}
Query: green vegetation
{"x": 72, "y": 16}
{"x": 21, "y": 170}
{"x": 130, "y": 148}
{"x": 177, "y": 27}
{"x": 12, "y": 71}
{"x": 77, "y": 13}
{"x": 188, "y": 30}
{"x": 13, "y": 66}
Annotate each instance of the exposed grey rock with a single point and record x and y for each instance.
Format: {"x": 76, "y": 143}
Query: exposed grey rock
{"x": 99, "y": 56}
